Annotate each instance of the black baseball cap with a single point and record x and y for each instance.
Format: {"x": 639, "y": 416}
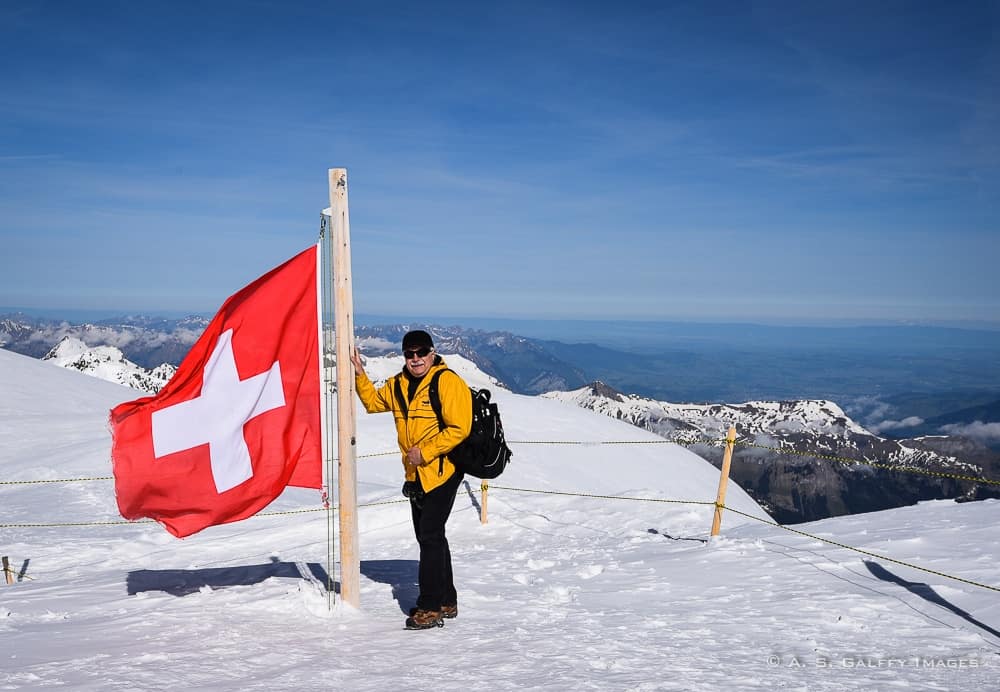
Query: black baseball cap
{"x": 416, "y": 339}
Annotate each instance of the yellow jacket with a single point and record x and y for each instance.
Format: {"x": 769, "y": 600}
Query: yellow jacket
{"x": 420, "y": 425}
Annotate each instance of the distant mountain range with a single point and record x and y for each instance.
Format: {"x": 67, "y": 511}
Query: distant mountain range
{"x": 141, "y": 352}
{"x": 796, "y": 457}
{"x": 146, "y": 341}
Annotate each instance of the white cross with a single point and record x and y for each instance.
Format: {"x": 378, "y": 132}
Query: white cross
{"x": 217, "y": 416}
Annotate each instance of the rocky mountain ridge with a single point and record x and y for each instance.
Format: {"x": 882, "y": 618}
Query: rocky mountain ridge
{"x": 807, "y": 459}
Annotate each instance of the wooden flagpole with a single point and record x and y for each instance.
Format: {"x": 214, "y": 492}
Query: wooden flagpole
{"x": 340, "y": 236}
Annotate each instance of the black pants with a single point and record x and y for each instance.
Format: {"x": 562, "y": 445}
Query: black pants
{"x": 430, "y": 514}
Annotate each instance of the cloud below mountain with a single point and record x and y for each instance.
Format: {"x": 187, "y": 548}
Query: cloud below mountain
{"x": 987, "y": 433}
{"x": 908, "y": 422}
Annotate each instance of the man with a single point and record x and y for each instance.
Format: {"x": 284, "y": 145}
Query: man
{"x": 431, "y": 479}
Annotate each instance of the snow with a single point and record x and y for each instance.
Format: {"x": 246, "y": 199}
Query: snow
{"x": 108, "y": 363}
{"x": 560, "y": 592}
{"x": 804, "y": 415}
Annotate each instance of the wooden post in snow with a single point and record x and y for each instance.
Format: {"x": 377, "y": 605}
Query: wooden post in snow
{"x": 482, "y": 515}
{"x": 8, "y": 573}
{"x": 340, "y": 246}
{"x": 720, "y": 499}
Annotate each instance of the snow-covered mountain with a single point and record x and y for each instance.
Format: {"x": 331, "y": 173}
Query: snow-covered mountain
{"x": 695, "y": 422}
{"x": 522, "y": 364}
{"x": 108, "y": 363}
{"x": 594, "y": 571}
{"x": 805, "y": 485}
{"x": 146, "y": 341}
{"x": 15, "y": 329}
{"x": 794, "y": 488}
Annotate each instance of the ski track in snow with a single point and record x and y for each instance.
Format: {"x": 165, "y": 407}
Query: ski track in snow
{"x": 555, "y": 592}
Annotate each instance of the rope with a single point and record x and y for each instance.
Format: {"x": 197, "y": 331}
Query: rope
{"x": 152, "y": 521}
{"x": 367, "y": 504}
{"x": 570, "y": 494}
{"x": 14, "y": 574}
{"x": 10, "y": 573}
{"x": 677, "y": 441}
{"x": 74, "y": 523}
{"x": 866, "y": 552}
{"x": 58, "y": 480}
{"x": 595, "y": 443}
{"x": 603, "y": 497}
{"x": 890, "y": 467}
{"x": 763, "y": 521}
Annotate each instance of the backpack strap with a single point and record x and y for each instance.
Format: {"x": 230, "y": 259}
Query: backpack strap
{"x": 398, "y": 389}
{"x": 432, "y": 391}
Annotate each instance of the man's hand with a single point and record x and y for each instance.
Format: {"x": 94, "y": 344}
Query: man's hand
{"x": 414, "y": 458}
{"x": 356, "y": 359}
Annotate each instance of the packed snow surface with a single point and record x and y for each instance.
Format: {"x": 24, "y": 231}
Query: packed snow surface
{"x": 607, "y": 586}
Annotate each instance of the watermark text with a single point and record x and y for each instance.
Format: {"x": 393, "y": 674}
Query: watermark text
{"x": 832, "y": 661}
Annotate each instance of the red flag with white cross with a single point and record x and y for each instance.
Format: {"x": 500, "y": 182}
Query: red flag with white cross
{"x": 240, "y": 419}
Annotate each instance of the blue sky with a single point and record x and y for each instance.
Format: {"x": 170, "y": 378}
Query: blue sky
{"x": 636, "y": 160}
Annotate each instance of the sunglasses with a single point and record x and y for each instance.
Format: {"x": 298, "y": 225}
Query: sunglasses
{"x": 416, "y": 353}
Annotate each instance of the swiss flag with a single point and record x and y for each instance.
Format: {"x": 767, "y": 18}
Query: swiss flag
{"x": 240, "y": 419}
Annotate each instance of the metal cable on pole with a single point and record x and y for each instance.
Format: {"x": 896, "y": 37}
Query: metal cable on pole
{"x": 326, "y": 369}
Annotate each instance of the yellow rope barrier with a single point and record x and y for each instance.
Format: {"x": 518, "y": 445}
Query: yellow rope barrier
{"x": 151, "y": 521}
{"x": 605, "y": 497}
{"x": 890, "y": 467}
{"x": 764, "y": 521}
{"x": 866, "y": 552}
{"x": 567, "y": 494}
{"x": 778, "y": 450}
{"x": 595, "y": 443}
{"x": 74, "y": 523}
{"x": 58, "y": 480}
{"x": 677, "y": 441}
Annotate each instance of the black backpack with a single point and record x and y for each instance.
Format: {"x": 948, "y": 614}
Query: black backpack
{"x": 484, "y": 453}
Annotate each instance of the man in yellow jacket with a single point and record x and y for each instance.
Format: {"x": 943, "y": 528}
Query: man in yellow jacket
{"x": 431, "y": 479}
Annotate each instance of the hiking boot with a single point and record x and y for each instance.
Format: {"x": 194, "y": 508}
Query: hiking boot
{"x": 448, "y": 612}
{"x": 424, "y": 619}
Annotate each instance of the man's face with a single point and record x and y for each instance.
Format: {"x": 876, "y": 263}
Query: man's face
{"x": 419, "y": 360}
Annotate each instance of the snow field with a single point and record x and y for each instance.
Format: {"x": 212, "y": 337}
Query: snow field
{"x": 555, "y": 592}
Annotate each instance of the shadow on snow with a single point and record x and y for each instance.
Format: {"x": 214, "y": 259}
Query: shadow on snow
{"x": 401, "y": 575}
{"x": 182, "y": 582}
{"x": 927, "y": 593}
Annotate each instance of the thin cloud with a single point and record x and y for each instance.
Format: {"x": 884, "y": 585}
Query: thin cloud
{"x": 909, "y": 422}
{"x": 987, "y": 433}
{"x": 29, "y": 157}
